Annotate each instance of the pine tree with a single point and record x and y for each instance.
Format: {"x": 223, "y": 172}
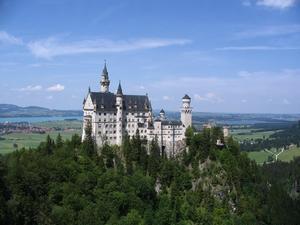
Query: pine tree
{"x": 49, "y": 145}
{"x": 89, "y": 145}
{"x": 127, "y": 152}
{"x": 59, "y": 141}
{"x": 154, "y": 158}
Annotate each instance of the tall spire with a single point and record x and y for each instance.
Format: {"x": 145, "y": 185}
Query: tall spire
{"x": 119, "y": 91}
{"x": 104, "y": 71}
{"x": 104, "y": 83}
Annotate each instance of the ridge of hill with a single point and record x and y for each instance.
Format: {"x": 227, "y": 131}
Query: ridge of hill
{"x": 10, "y": 110}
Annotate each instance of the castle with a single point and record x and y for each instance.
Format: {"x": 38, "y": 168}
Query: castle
{"x": 113, "y": 115}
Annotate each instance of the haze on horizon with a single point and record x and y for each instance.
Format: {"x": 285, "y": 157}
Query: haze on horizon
{"x": 230, "y": 56}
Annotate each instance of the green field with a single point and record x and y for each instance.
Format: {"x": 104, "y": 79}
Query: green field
{"x": 286, "y": 156}
{"x": 60, "y": 125}
{"x": 260, "y": 157}
{"x": 30, "y": 140}
{"x": 248, "y": 134}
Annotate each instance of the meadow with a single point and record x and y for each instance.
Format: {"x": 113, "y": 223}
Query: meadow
{"x": 249, "y": 134}
{"x": 14, "y": 141}
{"x": 30, "y": 140}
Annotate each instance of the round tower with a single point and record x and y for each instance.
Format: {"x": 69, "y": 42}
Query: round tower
{"x": 104, "y": 82}
{"x": 186, "y": 111}
{"x": 119, "y": 106}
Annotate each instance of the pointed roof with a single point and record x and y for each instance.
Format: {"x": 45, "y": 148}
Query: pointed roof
{"x": 119, "y": 91}
{"x": 104, "y": 71}
{"x": 186, "y": 97}
{"x": 162, "y": 111}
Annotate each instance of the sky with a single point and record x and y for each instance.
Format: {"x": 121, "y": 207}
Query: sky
{"x": 240, "y": 56}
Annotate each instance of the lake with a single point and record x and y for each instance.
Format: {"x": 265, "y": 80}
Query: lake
{"x": 37, "y": 119}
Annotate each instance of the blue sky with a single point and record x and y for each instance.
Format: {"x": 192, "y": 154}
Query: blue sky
{"x": 229, "y": 56}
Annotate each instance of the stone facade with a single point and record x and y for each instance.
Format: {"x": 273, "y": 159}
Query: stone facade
{"x": 114, "y": 115}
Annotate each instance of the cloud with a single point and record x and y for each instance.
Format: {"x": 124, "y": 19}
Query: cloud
{"x": 276, "y": 4}
{"x": 286, "y": 102}
{"x": 9, "y": 39}
{"x": 246, "y": 3}
{"x": 209, "y": 97}
{"x": 50, "y": 97}
{"x": 52, "y": 47}
{"x": 244, "y": 101}
{"x": 32, "y": 88}
{"x": 56, "y": 88}
{"x": 166, "y": 98}
{"x": 257, "y": 48}
{"x": 269, "y": 31}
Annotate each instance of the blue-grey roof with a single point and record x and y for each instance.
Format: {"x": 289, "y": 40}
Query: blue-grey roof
{"x": 119, "y": 91}
{"x": 171, "y": 122}
{"x": 107, "y": 102}
{"x": 104, "y": 71}
{"x": 186, "y": 97}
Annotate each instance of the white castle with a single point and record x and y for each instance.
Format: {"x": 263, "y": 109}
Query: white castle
{"x": 114, "y": 115}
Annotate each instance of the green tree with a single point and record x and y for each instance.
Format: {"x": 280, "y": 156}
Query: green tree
{"x": 89, "y": 145}
{"x": 154, "y": 158}
{"x": 59, "y": 141}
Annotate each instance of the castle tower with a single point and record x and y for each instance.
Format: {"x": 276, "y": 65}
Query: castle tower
{"x": 186, "y": 111}
{"x": 162, "y": 114}
{"x": 104, "y": 82}
{"x": 119, "y": 105}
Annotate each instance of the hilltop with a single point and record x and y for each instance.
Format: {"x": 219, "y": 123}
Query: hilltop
{"x": 9, "y": 110}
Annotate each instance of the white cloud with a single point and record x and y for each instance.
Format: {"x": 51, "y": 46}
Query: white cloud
{"x": 142, "y": 87}
{"x": 257, "y": 48}
{"x": 269, "y": 31}
{"x": 32, "y": 88}
{"x": 166, "y": 98}
{"x": 52, "y": 47}
{"x": 209, "y": 97}
{"x": 56, "y": 88}
{"x": 9, "y": 39}
{"x": 246, "y": 3}
{"x": 286, "y": 102}
{"x": 50, "y": 97}
{"x": 277, "y": 4}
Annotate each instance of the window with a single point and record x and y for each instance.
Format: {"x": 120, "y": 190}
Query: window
{"x": 104, "y": 114}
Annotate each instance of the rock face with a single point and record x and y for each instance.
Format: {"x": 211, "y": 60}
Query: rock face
{"x": 213, "y": 179}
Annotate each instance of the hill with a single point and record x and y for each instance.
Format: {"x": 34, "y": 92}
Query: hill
{"x": 67, "y": 182}
{"x": 9, "y": 110}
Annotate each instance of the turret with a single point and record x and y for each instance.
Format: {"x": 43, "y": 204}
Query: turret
{"x": 162, "y": 114}
{"x": 119, "y": 106}
{"x": 104, "y": 82}
{"x": 186, "y": 111}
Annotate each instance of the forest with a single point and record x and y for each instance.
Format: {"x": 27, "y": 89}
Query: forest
{"x": 74, "y": 182}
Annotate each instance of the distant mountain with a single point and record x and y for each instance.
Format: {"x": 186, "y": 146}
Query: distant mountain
{"x": 8, "y": 110}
